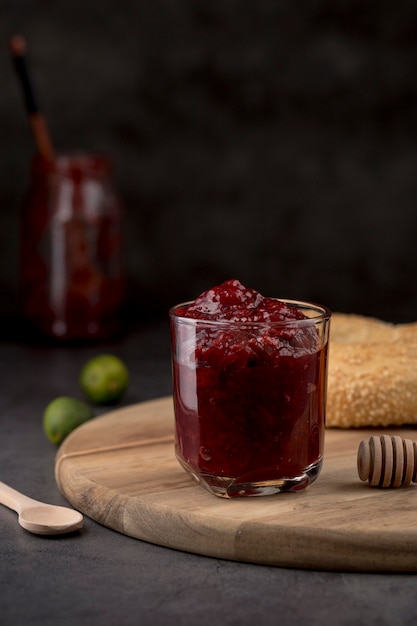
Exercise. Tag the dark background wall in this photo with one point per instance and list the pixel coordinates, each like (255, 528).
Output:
(271, 141)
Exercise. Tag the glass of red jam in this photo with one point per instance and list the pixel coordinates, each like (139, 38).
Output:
(249, 390)
(72, 280)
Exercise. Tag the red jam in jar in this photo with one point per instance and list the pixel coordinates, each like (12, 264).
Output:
(249, 389)
(71, 267)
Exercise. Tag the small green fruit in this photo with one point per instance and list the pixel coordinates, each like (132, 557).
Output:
(104, 379)
(63, 415)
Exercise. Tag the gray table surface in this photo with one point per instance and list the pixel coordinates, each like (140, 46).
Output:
(102, 577)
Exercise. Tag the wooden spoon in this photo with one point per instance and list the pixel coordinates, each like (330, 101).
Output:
(39, 517)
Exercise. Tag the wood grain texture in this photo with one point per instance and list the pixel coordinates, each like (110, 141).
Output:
(120, 470)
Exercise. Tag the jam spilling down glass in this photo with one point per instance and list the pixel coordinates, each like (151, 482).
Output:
(249, 389)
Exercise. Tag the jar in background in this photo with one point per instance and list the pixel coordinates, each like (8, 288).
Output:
(72, 281)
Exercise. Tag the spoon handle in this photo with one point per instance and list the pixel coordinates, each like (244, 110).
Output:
(13, 499)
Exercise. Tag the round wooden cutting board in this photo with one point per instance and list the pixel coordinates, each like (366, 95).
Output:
(120, 470)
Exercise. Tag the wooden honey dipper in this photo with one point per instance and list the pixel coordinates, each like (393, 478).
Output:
(387, 461)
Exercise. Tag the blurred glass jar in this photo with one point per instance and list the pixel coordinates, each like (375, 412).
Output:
(72, 281)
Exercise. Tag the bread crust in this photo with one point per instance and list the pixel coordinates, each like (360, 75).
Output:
(372, 373)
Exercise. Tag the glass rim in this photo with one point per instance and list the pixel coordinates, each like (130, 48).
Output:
(323, 313)
(79, 161)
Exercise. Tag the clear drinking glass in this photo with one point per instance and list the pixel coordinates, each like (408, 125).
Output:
(250, 420)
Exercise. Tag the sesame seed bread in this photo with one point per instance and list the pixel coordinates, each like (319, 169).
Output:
(372, 373)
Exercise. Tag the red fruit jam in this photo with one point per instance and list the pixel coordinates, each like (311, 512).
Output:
(72, 280)
(249, 387)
